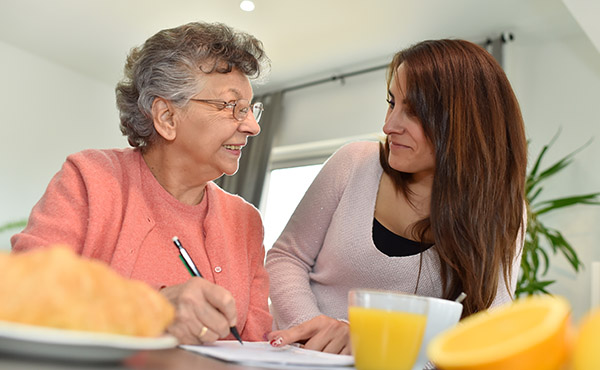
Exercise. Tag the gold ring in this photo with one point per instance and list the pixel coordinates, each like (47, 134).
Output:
(203, 331)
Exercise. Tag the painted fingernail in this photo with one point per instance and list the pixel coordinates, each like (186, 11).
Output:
(276, 342)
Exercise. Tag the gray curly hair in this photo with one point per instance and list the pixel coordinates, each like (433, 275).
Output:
(167, 66)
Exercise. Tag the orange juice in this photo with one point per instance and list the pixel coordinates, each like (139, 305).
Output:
(385, 340)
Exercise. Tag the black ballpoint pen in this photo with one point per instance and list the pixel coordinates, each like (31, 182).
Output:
(191, 266)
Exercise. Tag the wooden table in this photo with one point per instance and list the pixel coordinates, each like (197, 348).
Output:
(170, 359)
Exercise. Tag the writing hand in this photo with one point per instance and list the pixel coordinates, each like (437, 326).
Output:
(204, 311)
(321, 333)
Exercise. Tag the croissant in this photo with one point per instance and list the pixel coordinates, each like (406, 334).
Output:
(57, 288)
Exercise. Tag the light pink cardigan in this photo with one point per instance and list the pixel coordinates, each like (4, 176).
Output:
(327, 247)
(107, 205)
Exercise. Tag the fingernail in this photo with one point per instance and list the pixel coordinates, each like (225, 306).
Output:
(276, 342)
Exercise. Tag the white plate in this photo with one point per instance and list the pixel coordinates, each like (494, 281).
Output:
(71, 345)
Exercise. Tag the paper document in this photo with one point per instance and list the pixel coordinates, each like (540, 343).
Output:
(260, 353)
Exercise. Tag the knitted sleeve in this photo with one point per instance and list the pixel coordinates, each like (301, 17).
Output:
(292, 258)
(259, 321)
(82, 206)
(60, 216)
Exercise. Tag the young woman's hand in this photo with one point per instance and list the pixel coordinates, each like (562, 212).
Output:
(204, 311)
(321, 333)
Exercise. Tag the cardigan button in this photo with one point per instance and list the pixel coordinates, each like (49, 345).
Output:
(218, 269)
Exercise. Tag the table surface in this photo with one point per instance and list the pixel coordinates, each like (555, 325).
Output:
(170, 359)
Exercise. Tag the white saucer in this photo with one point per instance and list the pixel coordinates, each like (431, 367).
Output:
(71, 345)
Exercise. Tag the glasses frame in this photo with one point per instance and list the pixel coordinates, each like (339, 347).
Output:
(257, 108)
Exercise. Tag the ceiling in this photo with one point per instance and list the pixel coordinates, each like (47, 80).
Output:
(305, 39)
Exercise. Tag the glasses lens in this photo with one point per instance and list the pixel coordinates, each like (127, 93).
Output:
(241, 109)
(257, 110)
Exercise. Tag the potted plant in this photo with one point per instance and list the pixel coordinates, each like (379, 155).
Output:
(541, 240)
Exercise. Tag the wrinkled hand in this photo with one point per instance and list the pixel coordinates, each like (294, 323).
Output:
(200, 304)
(321, 333)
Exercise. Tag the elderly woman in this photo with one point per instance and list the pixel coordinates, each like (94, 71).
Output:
(186, 107)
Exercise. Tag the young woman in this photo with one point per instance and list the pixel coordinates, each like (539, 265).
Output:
(436, 210)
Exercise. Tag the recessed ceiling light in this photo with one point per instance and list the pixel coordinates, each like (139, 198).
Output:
(247, 5)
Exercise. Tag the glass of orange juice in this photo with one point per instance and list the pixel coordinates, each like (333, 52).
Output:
(386, 328)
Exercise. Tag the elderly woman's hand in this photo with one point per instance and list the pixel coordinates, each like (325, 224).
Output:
(321, 333)
(204, 311)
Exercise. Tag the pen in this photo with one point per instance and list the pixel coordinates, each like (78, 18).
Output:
(191, 266)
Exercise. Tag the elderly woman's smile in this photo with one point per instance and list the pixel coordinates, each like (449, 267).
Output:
(233, 147)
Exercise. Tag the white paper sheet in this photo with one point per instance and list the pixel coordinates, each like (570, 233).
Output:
(262, 353)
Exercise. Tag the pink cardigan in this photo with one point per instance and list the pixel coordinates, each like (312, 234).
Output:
(107, 205)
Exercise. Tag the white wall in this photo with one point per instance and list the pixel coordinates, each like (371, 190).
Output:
(47, 112)
(558, 85)
(334, 109)
(586, 13)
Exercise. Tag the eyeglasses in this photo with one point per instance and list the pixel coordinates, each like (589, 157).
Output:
(240, 108)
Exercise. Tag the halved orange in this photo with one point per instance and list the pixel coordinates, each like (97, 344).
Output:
(586, 353)
(530, 333)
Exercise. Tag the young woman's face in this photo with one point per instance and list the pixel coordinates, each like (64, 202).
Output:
(410, 150)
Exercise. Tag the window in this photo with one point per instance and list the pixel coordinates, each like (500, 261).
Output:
(286, 187)
(292, 170)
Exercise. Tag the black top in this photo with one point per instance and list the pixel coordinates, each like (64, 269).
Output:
(394, 245)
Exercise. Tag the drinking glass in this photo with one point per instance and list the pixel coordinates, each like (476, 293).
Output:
(386, 328)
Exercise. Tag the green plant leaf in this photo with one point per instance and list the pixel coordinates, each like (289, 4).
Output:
(550, 205)
(552, 170)
(532, 197)
(538, 161)
(559, 243)
(13, 225)
(534, 287)
(533, 173)
(535, 261)
(540, 241)
(546, 260)
(533, 178)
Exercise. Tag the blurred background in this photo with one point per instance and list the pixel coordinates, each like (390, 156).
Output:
(61, 60)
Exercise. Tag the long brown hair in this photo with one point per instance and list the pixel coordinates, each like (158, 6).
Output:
(469, 111)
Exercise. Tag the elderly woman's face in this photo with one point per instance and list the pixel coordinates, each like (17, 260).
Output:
(210, 138)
